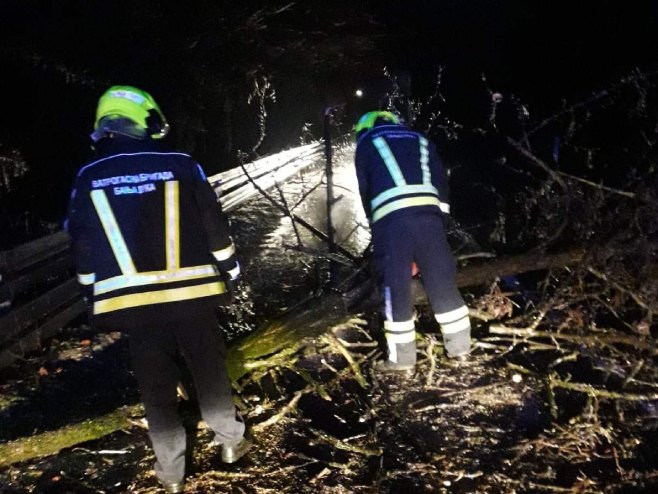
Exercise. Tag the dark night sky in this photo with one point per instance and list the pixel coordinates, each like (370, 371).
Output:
(539, 51)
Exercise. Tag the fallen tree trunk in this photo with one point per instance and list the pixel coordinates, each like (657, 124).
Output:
(312, 318)
(52, 442)
(478, 274)
(523, 263)
(487, 272)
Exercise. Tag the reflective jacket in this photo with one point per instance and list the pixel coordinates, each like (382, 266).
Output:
(148, 233)
(399, 173)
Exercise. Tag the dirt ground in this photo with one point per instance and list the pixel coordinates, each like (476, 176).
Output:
(326, 423)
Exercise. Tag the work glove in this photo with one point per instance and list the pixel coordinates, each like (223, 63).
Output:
(88, 297)
(231, 281)
(232, 288)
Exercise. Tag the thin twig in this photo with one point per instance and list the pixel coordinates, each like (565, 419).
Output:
(288, 213)
(334, 343)
(599, 393)
(593, 339)
(289, 408)
(598, 186)
(619, 287)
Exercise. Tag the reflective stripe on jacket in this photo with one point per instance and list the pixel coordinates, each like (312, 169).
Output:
(147, 229)
(398, 169)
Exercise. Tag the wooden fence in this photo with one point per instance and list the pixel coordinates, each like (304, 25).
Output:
(38, 290)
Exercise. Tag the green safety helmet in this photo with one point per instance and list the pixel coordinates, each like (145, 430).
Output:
(121, 103)
(374, 118)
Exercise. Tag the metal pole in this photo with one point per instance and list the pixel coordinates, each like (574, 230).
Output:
(329, 172)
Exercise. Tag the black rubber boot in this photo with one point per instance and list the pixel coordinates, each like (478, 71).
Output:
(405, 353)
(401, 357)
(389, 367)
(233, 452)
(458, 345)
(173, 487)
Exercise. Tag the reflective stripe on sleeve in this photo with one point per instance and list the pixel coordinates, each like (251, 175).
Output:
(223, 254)
(86, 279)
(158, 297)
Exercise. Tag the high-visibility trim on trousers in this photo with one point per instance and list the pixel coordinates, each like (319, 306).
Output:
(454, 321)
(399, 326)
(159, 297)
(400, 331)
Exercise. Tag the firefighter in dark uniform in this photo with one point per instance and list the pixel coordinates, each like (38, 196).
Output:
(154, 257)
(404, 191)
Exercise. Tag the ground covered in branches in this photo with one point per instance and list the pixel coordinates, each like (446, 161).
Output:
(533, 410)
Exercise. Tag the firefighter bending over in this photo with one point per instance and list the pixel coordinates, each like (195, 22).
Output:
(154, 257)
(404, 191)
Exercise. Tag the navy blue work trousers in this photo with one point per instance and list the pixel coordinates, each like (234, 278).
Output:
(400, 240)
